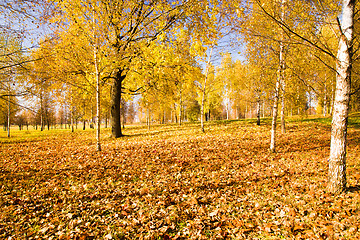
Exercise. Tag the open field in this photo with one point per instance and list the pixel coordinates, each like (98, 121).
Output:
(174, 182)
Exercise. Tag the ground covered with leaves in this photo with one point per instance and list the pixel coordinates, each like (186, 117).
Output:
(174, 182)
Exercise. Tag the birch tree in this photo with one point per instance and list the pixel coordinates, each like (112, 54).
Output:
(337, 159)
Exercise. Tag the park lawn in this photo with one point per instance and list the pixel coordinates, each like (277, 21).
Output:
(174, 182)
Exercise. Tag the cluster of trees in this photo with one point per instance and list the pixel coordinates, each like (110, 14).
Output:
(299, 56)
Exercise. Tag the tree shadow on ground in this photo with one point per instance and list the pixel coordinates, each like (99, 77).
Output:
(353, 189)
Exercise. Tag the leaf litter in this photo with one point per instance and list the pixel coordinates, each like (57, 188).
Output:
(178, 184)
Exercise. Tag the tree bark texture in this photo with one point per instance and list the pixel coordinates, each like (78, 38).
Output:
(115, 104)
(337, 159)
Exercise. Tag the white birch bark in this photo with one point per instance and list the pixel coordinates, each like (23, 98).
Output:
(274, 117)
(180, 107)
(280, 81)
(325, 100)
(282, 66)
(204, 91)
(8, 116)
(98, 119)
(283, 128)
(337, 159)
(258, 111)
(97, 80)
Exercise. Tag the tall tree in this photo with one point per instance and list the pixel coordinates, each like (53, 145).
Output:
(337, 160)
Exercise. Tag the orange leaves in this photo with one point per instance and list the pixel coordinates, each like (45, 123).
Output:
(223, 184)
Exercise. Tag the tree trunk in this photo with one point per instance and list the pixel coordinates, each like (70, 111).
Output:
(283, 128)
(332, 101)
(41, 113)
(274, 118)
(115, 104)
(325, 101)
(276, 103)
(246, 107)
(282, 66)
(180, 110)
(148, 118)
(8, 115)
(337, 159)
(258, 112)
(98, 117)
(176, 117)
(204, 91)
(72, 120)
(263, 111)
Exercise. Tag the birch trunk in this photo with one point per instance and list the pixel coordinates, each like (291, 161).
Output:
(148, 118)
(98, 119)
(8, 115)
(41, 113)
(282, 66)
(279, 81)
(283, 127)
(180, 110)
(325, 102)
(337, 159)
(274, 118)
(204, 91)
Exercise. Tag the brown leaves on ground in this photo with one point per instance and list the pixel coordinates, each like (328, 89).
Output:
(177, 183)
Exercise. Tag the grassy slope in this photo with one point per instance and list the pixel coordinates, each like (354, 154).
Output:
(176, 182)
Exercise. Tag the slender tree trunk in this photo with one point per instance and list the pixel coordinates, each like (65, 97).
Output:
(8, 115)
(332, 100)
(276, 104)
(263, 111)
(274, 118)
(246, 108)
(227, 111)
(325, 101)
(310, 100)
(283, 128)
(84, 121)
(258, 112)
(41, 113)
(72, 119)
(180, 106)
(176, 121)
(98, 117)
(337, 159)
(115, 104)
(148, 117)
(282, 67)
(204, 91)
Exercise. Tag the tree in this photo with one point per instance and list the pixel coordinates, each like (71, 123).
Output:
(337, 159)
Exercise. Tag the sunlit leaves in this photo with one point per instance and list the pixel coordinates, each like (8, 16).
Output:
(180, 183)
